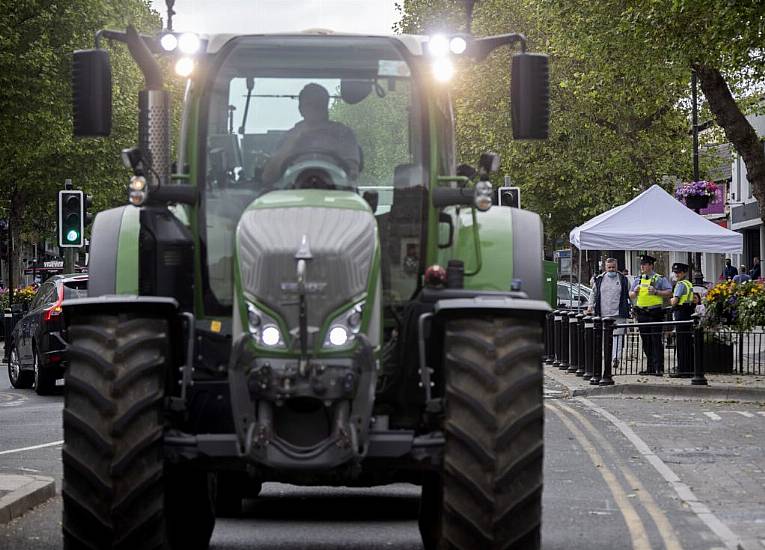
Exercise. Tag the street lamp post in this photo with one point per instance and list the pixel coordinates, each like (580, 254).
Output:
(698, 276)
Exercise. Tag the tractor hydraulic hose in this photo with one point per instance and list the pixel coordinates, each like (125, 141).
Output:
(145, 60)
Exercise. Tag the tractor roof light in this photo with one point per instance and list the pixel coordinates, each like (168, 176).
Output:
(184, 67)
(438, 45)
(443, 69)
(338, 336)
(168, 42)
(457, 45)
(189, 43)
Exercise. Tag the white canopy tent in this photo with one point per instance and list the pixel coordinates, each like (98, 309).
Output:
(654, 220)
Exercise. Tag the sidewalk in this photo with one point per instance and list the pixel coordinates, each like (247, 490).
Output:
(721, 387)
(19, 493)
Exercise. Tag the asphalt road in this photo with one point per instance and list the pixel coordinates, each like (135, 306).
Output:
(608, 482)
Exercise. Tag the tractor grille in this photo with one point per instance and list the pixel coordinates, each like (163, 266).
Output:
(341, 241)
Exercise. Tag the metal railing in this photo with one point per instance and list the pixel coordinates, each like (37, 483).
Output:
(584, 345)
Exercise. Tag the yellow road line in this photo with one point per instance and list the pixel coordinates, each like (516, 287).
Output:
(659, 518)
(635, 525)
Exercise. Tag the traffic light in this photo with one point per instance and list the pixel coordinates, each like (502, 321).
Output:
(71, 217)
(509, 196)
(88, 217)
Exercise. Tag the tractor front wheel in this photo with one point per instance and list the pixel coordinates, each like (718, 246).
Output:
(492, 475)
(117, 491)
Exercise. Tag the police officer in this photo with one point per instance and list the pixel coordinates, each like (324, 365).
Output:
(682, 309)
(647, 295)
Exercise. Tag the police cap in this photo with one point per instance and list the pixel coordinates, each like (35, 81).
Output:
(679, 267)
(646, 259)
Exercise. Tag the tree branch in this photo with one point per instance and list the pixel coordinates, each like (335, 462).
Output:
(737, 128)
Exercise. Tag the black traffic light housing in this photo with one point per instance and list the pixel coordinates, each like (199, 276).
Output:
(71, 218)
(509, 196)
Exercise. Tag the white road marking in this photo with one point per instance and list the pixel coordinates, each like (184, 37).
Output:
(713, 416)
(744, 413)
(728, 537)
(32, 448)
(656, 415)
(761, 413)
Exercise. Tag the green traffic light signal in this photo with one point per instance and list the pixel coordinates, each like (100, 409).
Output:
(70, 218)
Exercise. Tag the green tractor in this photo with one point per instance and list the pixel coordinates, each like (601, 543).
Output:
(311, 292)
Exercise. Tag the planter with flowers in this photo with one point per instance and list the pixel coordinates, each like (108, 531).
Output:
(696, 194)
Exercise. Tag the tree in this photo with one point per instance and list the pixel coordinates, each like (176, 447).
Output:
(722, 40)
(37, 151)
(616, 122)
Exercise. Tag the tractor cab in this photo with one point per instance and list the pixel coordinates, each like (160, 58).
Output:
(332, 113)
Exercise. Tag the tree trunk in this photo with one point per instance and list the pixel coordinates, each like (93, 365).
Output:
(737, 129)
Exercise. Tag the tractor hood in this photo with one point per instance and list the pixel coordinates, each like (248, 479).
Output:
(335, 228)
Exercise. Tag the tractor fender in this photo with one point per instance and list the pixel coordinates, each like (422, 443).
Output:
(506, 306)
(511, 250)
(113, 257)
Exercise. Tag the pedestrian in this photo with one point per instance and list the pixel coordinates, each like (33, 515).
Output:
(682, 309)
(755, 273)
(610, 298)
(729, 271)
(700, 308)
(647, 295)
(742, 276)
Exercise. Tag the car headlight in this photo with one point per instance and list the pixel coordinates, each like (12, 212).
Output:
(264, 328)
(344, 327)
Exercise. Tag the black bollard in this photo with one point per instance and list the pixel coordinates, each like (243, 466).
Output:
(549, 338)
(580, 344)
(587, 347)
(573, 343)
(608, 347)
(698, 350)
(564, 341)
(556, 337)
(597, 350)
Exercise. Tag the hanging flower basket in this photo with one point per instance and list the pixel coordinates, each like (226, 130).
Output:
(696, 194)
(695, 202)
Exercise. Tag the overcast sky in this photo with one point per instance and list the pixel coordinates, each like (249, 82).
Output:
(255, 16)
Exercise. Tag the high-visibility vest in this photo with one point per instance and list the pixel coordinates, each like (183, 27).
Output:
(687, 296)
(645, 300)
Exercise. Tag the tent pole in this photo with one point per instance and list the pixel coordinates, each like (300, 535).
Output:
(579, 282)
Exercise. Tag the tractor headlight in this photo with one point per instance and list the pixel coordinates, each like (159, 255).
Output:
(344, 327)
(189, 43)
(264, 328)
(184, 67)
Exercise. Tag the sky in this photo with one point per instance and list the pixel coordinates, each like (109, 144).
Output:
(255, 16)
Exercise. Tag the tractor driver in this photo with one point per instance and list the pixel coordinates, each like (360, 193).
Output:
(315, 134)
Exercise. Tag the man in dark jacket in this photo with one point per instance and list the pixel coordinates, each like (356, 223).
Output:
(729, 271)
(610, 298)
(755, 272)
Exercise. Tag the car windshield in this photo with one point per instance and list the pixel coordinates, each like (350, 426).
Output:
(75, 289)
(300, 112)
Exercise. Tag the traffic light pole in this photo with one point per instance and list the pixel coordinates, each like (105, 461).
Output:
(69, 258)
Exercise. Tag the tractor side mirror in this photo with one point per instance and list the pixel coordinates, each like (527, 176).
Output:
(530, 96)
(92, 93)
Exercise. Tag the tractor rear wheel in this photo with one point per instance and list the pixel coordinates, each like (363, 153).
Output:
(117, 492)
(492, 474)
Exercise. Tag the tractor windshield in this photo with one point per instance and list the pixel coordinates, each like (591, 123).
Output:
(334, 113)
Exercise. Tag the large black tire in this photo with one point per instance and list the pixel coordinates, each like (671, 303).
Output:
(115, 484)
(492, 475)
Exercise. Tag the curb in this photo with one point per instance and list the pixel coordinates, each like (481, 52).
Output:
(661, 391)
(703, 393)
(21, 493)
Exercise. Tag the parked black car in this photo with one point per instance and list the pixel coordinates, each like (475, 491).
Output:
(36, 344)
